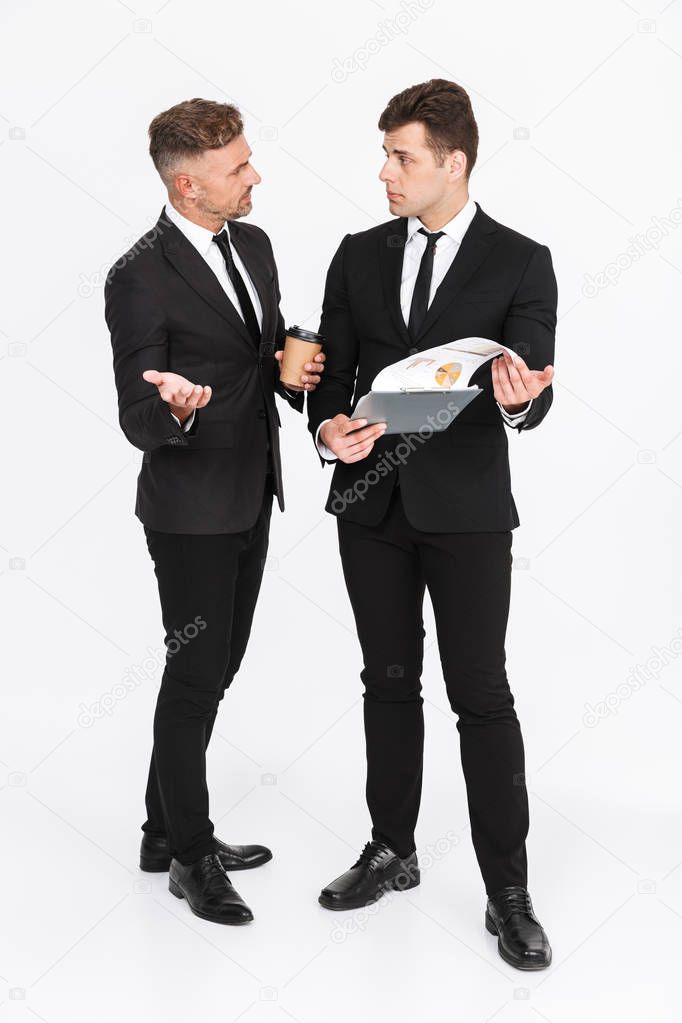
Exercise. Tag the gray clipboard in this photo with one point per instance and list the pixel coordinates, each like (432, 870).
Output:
(414, 410)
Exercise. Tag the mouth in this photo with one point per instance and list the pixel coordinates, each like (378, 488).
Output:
(392, 196)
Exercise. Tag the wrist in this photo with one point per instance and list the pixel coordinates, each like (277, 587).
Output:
(183, 414)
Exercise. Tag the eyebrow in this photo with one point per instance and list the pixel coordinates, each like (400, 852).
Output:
(240, 165)
(400, 152)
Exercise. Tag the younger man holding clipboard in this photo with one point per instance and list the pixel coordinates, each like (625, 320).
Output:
(439, 513)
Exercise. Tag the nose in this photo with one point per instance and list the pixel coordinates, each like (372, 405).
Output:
(255, 177)
(384, 174)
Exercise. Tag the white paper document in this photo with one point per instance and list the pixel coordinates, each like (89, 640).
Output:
(446, 367)
(428, 389)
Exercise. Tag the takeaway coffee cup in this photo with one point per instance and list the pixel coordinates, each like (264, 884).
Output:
(300, 347)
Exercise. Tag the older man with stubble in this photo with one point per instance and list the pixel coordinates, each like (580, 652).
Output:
(196, 333)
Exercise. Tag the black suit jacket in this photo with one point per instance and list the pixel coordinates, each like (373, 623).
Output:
(166, 310)
(501, 285)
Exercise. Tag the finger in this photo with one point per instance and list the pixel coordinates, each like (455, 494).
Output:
(517, 359)
(279, 355)
(320, 357)
(540, 380)
(501, 388)
(515, 376)
(205, 398)
(361, 454)
(513, 386)
(368, 433)
(368, 436)
(152, 376)
(194, 396)
(520, 374)
(351, 426)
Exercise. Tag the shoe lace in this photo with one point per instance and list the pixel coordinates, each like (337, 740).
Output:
(214, 873)
(371, 854)
(516, 901)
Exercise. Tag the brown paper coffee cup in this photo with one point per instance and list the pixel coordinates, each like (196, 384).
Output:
(301, 346)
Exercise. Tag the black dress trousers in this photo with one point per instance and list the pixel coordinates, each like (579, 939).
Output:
(208, 587)
(387, 568)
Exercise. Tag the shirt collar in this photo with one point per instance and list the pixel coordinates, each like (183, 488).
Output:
(200, 237)
(455, 228)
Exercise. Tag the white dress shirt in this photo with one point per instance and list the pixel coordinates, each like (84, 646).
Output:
(446, 250)
(202, 240)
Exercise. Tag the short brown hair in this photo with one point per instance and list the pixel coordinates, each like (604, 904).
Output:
(445, 110)
(188, 128)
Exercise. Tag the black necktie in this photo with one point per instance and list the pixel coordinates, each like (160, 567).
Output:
(422, 286)
(245, 303)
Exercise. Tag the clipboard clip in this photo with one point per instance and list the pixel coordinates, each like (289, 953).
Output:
(426, 390)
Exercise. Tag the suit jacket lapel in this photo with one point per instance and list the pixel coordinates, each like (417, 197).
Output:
(258, 272)
(192, 267)
(478, 241)
(391, 245)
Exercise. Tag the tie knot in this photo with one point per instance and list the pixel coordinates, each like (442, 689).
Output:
(223, 242)
(431, 236)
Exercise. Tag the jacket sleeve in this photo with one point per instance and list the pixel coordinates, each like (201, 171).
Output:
(334, 394)
(139, 341)
(295, 399)
(530, 326)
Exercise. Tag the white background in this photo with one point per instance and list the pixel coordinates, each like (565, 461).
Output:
(578, 111)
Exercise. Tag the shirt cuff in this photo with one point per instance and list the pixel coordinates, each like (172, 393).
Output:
(187, 423)
(514, 418)
(321, 446)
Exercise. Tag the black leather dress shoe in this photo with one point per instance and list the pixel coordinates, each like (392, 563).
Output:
(378, 870)
(155, 857)
(521, 940)
(208, 891)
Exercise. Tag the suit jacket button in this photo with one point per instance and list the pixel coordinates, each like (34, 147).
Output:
(413, 351)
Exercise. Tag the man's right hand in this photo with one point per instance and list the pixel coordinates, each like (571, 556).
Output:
(350, 439)
(182, 396)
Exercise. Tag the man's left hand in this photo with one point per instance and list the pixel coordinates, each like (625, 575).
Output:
(514, 384)
(311, 378)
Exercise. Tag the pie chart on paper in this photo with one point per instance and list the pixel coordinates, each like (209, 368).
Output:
(448, 374)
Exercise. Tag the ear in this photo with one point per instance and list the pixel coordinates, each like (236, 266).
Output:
(184, 186)
(457, 164)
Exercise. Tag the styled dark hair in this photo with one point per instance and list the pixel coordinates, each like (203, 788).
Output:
(445, 110)
(188, 128)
